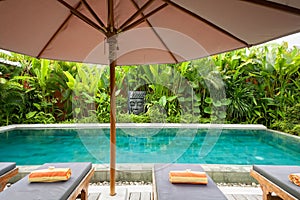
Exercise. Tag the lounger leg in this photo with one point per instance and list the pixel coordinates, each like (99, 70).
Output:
(84, 195)
(267, 195)
(2, 186)
(82, 190)
(270, 197)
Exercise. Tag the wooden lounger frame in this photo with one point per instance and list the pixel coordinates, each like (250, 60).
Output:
(82, 187)
(268, 187)
(5, 177)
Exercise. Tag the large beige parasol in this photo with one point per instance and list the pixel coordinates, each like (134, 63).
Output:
(122, 32)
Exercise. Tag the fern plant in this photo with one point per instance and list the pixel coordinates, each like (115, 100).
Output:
(12, 102)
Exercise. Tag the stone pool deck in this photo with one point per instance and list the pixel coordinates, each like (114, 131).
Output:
(145, 193)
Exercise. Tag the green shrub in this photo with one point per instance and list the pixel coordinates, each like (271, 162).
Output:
(293, 114)
(296, 130)
(291, 123)
(132, 118)
(39, 118)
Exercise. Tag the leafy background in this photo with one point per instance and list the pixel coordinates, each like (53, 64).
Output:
(258, 85)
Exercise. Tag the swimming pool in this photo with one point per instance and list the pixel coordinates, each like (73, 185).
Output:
(150, 145)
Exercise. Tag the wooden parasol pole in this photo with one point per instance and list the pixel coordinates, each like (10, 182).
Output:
(112, 42)
(112, 58)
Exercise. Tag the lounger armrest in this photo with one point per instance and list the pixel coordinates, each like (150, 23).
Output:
(8, 170)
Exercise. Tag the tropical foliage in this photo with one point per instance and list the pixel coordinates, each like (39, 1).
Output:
(259, 85)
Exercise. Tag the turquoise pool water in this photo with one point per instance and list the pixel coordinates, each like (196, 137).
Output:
(244, 147)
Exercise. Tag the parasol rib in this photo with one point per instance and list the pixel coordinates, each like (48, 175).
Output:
(206, 21)
(110, 20)
(94, 14)
(275, 5)
(56, 32)
(82, 17)
(144, 18)
(138, 12)
(157, 35)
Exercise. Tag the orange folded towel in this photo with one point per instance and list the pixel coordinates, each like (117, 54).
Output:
(51, 174)
(188, 176)
(295, 178)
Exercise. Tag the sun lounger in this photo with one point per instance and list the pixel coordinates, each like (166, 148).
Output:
(164, 190)
(274, 179)
(65, 190)
(7, 171)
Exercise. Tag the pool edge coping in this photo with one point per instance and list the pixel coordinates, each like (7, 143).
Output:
(133, 125)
